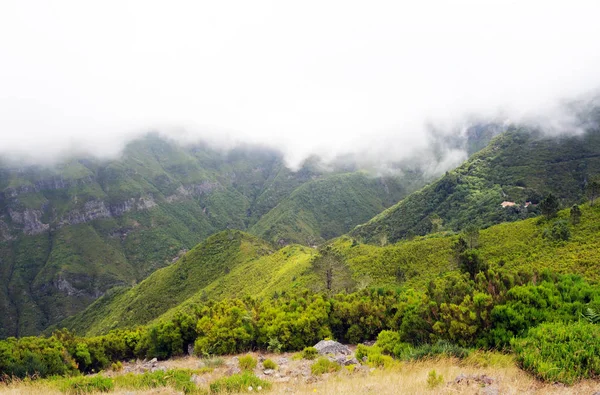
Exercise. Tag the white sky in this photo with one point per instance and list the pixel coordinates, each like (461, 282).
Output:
(306, 76)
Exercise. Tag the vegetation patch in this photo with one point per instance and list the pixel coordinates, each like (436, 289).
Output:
(561, 352)
(244, 382)
(247, 362)
(269, 364)
(324, 365)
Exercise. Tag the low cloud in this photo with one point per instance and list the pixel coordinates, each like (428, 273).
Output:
(334, 78)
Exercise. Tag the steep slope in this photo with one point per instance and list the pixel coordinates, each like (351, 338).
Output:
(72, 231)
(518, 166)
(257, 271)
(227, 264)
(329, 207)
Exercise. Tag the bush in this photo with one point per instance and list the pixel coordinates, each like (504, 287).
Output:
(434, 379)
(387, 341)
(558, 232)
(238, 383)
(269, 364)
(324, 365)
(247, 362)
(309, 353)
(374, 356)
(560, 352)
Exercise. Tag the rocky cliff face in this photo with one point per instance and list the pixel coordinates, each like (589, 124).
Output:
(69, 233)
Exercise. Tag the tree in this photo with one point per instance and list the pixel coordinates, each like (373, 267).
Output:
(593, 190)
(471, 235)
(549, 206)
(575, 214)
(470, 262)
(335, 274)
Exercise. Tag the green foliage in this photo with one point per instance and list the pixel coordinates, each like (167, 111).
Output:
(591, 316)
(247, 362)
(35, 356)
(471, 235)
(269, 364)
(438, 349)
(560, 352)
(178, 379)
(575, 214)
(333, 274)
(309, 353)
(558, 232)
(549, 206)
(86, 385)
(244, 382)
(156, 201)
(324, 365)
(471, 262)
(518, 165)
(592, 190)
(434, 379)
(329, 207)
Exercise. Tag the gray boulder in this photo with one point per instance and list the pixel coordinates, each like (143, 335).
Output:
(332, 347)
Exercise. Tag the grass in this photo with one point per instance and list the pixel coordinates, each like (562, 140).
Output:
(173, 379)
(244, 382)
(405, 377)
(324, 365)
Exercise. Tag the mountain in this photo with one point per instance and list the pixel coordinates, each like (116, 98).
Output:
(230, 263)
(322, 209)
(518, 166)
(236, 264)
(72, 231)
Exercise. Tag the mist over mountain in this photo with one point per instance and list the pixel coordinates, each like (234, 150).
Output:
(346, 80)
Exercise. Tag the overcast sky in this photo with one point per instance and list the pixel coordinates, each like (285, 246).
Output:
(306, 76)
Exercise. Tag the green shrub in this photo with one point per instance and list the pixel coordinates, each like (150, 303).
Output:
(434, 379)
(247, 362)
(560, 352)
(274, 345)
(387, 341)
(87, 384)
(380, 361)
(269, 364)
(239, 383)
(558, 232)
(324, 365)
(364, 351)
(309, 353)
(374, 356)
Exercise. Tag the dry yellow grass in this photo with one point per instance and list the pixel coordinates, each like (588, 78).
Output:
(411, 378)
(404, 378)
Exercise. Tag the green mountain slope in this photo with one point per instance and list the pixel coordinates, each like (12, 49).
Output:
(254, 269)
(517, 166)
(70, 232)
(329, 207)
(230, 263)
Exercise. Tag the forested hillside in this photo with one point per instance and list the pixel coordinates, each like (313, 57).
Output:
(70, 232)
(234, 264)
(519, 167)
